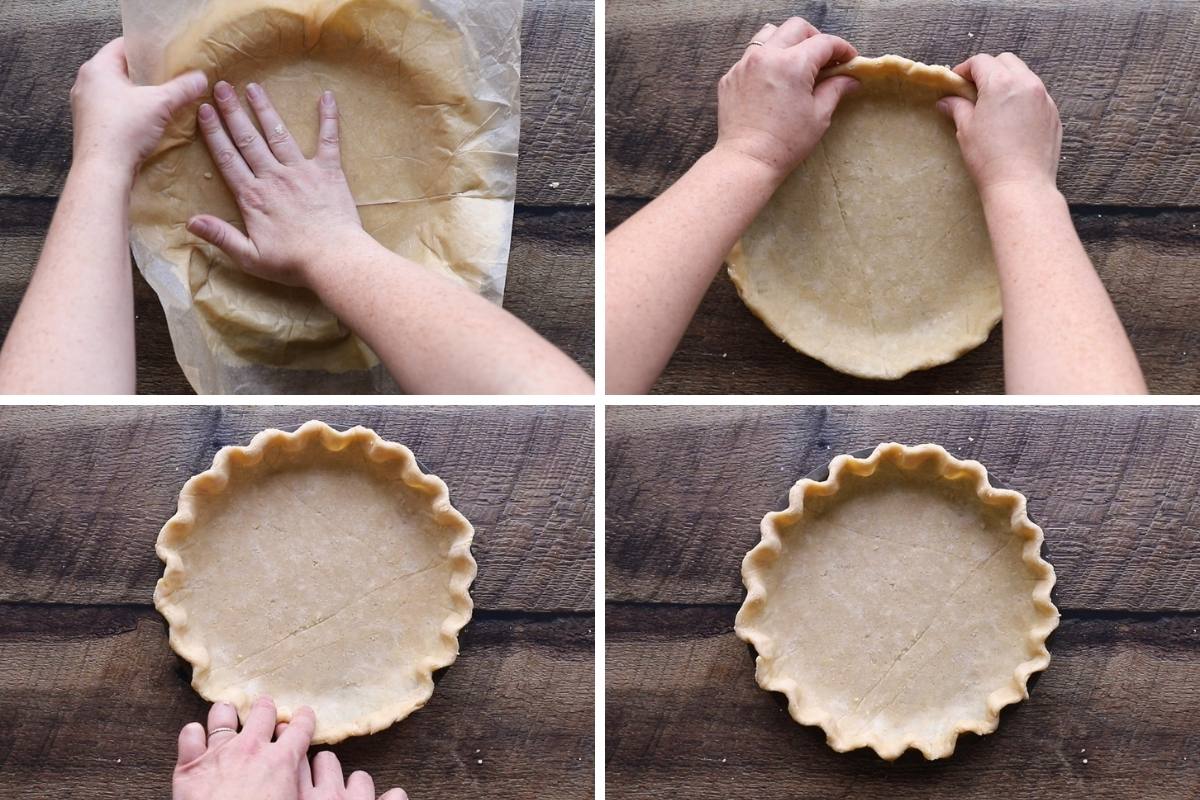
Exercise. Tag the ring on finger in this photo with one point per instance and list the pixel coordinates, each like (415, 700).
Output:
(756, 42)
(215, 731)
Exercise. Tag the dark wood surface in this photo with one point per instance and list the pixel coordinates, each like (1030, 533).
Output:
(1123, 74)
(552, 269)
(92, 697)
(1115, 490)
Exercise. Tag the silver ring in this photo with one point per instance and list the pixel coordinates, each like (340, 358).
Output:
(215, 731)
(756, 42)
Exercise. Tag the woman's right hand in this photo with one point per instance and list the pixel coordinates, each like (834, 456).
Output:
(221, 762)
(770, 107)
(298, 212)
(1012, 134)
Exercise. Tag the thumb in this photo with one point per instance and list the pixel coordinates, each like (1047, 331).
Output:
(184, 90)
(228, 239)
(829, 92)
(957, 108)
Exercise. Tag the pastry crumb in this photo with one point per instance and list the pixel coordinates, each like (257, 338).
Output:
(208, 176)
(555, 184)
(480, 760)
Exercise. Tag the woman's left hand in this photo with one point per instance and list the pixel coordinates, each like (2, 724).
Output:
(117, 122)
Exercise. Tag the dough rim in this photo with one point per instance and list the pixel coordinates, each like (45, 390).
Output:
(934, 76)
(802, 705)
(880, 67)
(214, 481)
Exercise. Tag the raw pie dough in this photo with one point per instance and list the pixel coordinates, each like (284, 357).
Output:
(403, 85)
(873, 256)
(900, 602)
(322, 568)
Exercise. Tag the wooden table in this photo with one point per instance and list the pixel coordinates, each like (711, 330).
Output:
(92, 698)
(551, 278)
(1123, 74)
(1117, 491)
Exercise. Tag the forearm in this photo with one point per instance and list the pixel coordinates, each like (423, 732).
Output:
(1061, 332)
(73, 333)
(660, 263)
(436, 336)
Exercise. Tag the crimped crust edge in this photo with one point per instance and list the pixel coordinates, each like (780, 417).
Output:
(213, 481)
(803, 708)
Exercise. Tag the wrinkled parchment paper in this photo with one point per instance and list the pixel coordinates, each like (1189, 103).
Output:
(212, 358)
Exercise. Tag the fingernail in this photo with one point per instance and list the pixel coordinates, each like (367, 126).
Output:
(327, 98)
(207, 113)
(253, 90)
(224, 91)
(199, 81)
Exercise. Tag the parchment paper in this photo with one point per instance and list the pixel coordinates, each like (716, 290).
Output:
(481, 218)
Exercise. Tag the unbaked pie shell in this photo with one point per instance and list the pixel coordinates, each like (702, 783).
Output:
(280, 537)
(873, 256)
(835, 611)
(404, 77)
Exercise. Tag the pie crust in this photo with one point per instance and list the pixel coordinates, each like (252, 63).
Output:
(404, 80)
(322, 568)
(874, 256)
(899, 602)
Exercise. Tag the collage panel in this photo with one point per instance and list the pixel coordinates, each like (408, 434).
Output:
(308, 187)
(1025, 573)
(801, 596)
(156, 559)
(809, 198)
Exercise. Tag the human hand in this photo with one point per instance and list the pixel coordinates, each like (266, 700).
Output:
(292, 206)
(1012, 134)
(221, 763)
(770, 106)
(118, 122)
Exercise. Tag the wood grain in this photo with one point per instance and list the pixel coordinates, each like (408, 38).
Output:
(553, 251)
(84, 492)
(1123, 74)
(1117, 491)
(1113, 717)
(1148, 260)
(93, 699)
(44, 44)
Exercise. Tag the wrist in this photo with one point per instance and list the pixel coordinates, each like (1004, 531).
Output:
(102, 170)
(1021, 190)
(735, 162)
(327, 266)
(1032, 186)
